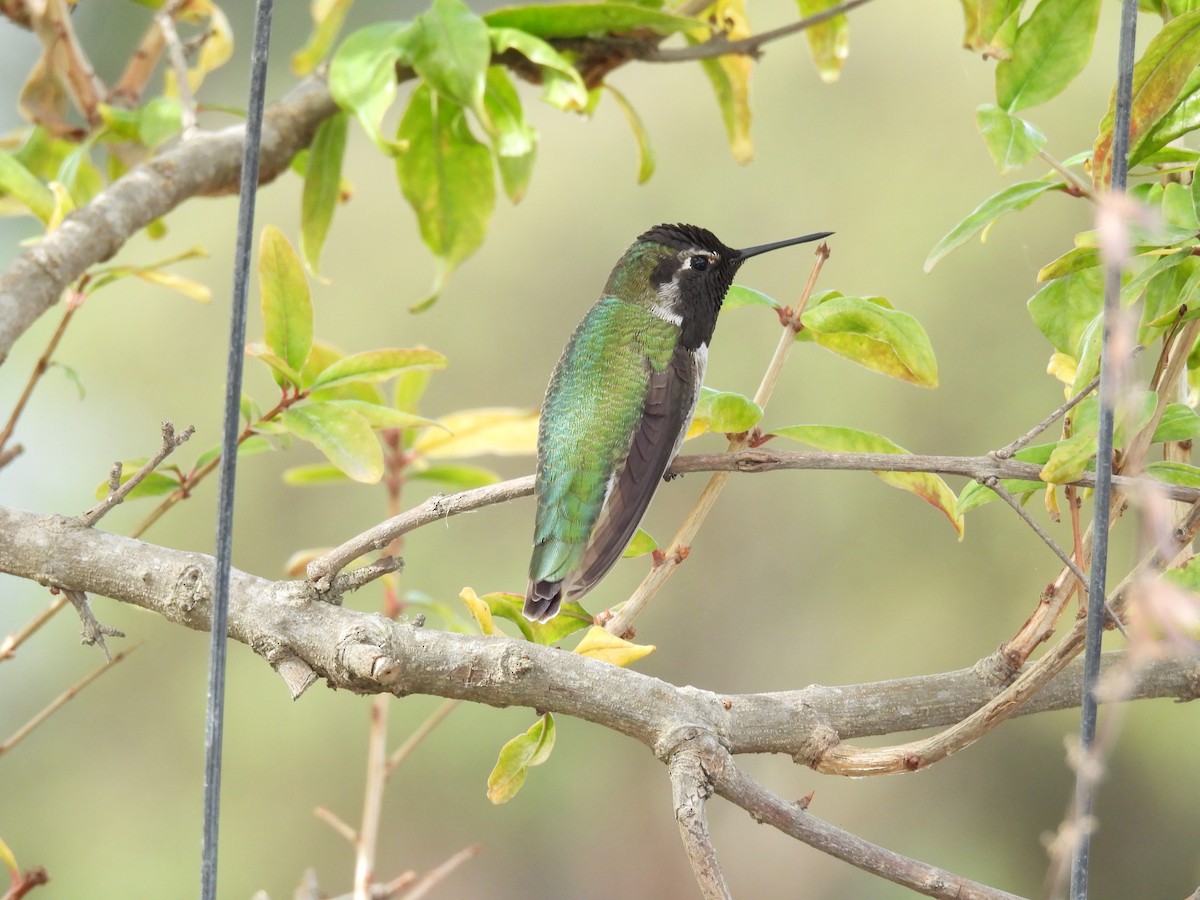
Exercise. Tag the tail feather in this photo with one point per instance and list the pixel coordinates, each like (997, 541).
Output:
(542, 600)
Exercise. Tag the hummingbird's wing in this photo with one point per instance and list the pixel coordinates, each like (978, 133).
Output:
(670, 400)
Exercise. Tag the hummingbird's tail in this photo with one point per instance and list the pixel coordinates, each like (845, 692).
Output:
(542, 600)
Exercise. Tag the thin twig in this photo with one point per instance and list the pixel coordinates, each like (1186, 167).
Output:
(118, 492)
(751, 46)
(165, 19)
(1008, 450)
(39, 369)
(1071, 178)
(23, 732)
(9, 453)
(93, 631)
(368, 832)
(434, 877)
(8, 646)
(422, 731)
(1047, 539)
(330, 818)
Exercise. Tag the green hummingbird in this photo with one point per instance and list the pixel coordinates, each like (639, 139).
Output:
(620, 402)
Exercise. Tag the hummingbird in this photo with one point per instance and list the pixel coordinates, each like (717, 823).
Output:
(620, 402)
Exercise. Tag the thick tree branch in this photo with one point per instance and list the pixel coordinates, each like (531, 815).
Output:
(370, 654)
(208, 163)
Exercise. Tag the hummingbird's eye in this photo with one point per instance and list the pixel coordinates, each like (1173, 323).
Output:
(698, 263)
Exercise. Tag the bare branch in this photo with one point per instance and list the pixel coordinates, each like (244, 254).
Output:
(8, 646)
(1008, 450)
(39, 369)
(434, 877)
(690, 789)
(93, 632)
(54, 705)
(423, 731)
(118, 492)
(164, 18)
(792, 818)
(330, 818)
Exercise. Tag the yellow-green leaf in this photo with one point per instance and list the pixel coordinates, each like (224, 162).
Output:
(286, 303)
(724, 412)
(646, 157)
(1012, 198)
(374, 366)
(21, 184)
(317, 473)
(882, 339)
(478, 609)
(10, 861)
(153, 485)
(514, 140)
(600, 644)
(342, 435)
(517, 757)
(281, 371)
(328, 16)
(1011, 140)
(729, 76)
(929, 487)
(828, 41)
(641, 544)
(381, 416)
(322, 187)
(474, 432)
(362, 76)
(1052, 47)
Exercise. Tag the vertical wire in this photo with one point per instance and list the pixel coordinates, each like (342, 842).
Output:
(214, 718)
(1084, 781)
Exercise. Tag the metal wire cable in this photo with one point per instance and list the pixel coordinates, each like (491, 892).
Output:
(214, 717)
(1103, 495)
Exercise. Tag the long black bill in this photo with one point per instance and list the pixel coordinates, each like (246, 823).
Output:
(767, 248)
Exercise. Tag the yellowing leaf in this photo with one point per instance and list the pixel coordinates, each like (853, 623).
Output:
(828, 41)
(342, 435)
(730, 77)
(474, 432)
(518, 756)
(373, 366)
(10, 861)
(600, 644)
(479, 610)
(646, 156)
(874, 336)
(328, 16)
(216, 50)
(286, 302)
(641, 544)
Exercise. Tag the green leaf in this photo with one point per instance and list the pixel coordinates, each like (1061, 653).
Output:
(739, 295)
(1170, 296)
(518, 756)
(1052, 47)
(1175, 473)
(23, 185)
(1012, 198)
(514, 141)
(342, 435)
(1156, 264)
(724, 412)
(456, 476)
(881, 339)
(1063, 308)
(409, 388)
(322, 187)
(286, 303)
(450, 49)
(317, 473)
(159, 120)
(1159, 77)
(571, 618)
(153, 485)
(1011, 140)
(570, 93)
(930, 488)
(446, 176)
(1177, 208)
(1179, 422)
(641, 544)
(646, 157)
(362, 76)
(373, 366)
(828, 41)
(328, 16)
(381, 416)
(72, 375)
(575, 20)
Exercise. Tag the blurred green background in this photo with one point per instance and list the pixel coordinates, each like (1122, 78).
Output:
(797, 578)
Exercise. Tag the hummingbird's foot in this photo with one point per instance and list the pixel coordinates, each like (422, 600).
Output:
(671, 476)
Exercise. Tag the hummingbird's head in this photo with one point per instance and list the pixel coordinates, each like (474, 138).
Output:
(689, 273)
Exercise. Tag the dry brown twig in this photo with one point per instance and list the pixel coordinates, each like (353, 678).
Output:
(117, 491)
